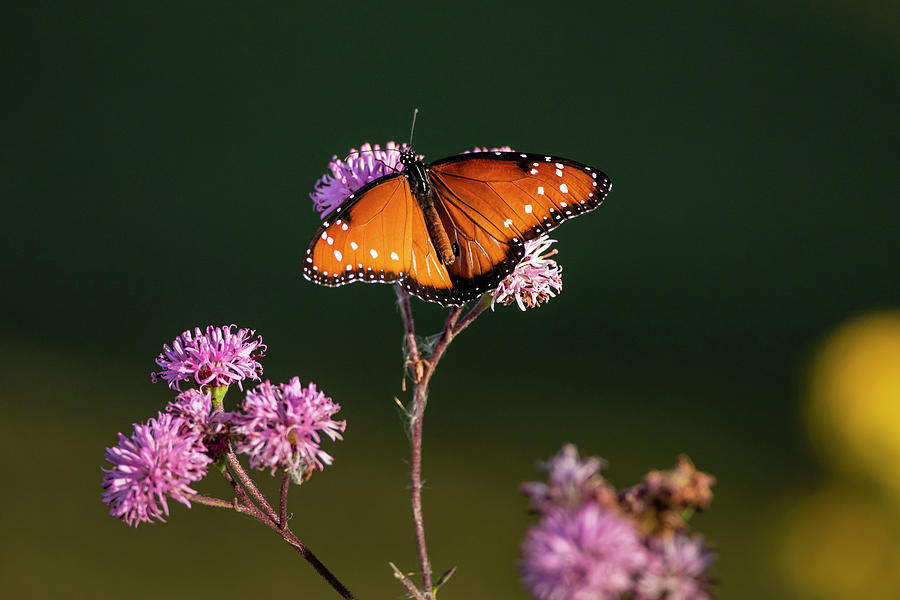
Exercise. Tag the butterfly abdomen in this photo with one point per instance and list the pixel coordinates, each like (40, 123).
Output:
(437, 233)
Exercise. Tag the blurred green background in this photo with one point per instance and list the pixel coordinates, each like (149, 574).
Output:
(155, 172)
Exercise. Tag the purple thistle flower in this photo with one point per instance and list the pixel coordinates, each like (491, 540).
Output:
(535, 279)
(587, 554)
(218, 357)
(484, 149)
(159, 460)
(676, 569)
(361, 167)
(280, 426)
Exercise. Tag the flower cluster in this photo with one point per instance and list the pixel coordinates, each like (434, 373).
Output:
(278, 426)
(217, 357)
(593, 543)
(536, 278)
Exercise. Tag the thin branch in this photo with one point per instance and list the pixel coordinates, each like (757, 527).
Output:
(285, 486)
(409, 327)
(280, 528)
(409, 585)
(483, 303)
(311, 558)
(248, 484)
(245, 505)
(216, 502)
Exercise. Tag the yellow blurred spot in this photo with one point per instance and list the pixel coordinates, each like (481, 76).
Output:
(853, 409)
(839, 545)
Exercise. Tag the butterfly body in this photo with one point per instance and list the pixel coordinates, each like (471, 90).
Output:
(453, 229)
(417, 175)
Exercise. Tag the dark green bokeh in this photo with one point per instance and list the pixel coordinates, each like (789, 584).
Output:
(155, 177)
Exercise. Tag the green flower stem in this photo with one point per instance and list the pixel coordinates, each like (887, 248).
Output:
(218, 396)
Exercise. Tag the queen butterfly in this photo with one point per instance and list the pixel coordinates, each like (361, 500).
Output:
(453, 229)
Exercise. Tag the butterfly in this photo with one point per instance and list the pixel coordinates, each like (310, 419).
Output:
(453, 229)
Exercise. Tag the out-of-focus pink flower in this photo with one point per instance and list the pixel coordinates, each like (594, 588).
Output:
(218, 357)
(536, 278)
(676, 569)
(279, 426)
(571, 481)
(159, 461)
(585, 554)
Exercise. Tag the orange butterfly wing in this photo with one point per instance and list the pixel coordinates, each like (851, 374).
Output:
(368, 238)
(378, 235)
(492, 202)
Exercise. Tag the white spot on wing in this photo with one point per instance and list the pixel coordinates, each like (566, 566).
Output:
(540, 190)
(330, 240)
(528, 209)
(354, 245)
(338, 255)
(374, 253)
(559, 172)
(564, 188)
(394, 256)
(507, 223)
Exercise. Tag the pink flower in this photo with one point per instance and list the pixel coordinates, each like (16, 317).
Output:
(361, 167)
(280, 426)
(161, 459)
(483, 149)
(218, 357)
(570, 482)
(535, 279)
(586, 554)
(676, 569)
(196, 409)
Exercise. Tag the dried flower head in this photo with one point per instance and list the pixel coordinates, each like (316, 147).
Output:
(571, 481)
(676, 569)
(660, 500)
(586, 554)
(279, 427)
(536, 278)
(219, 357)
(159, 461)
(359, 168)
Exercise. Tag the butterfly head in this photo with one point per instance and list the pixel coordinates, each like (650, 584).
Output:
(407, 157)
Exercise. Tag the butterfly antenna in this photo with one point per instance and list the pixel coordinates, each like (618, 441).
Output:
(412, 127)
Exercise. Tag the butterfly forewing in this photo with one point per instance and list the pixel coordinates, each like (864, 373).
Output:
(515, 196)
(368, 238)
